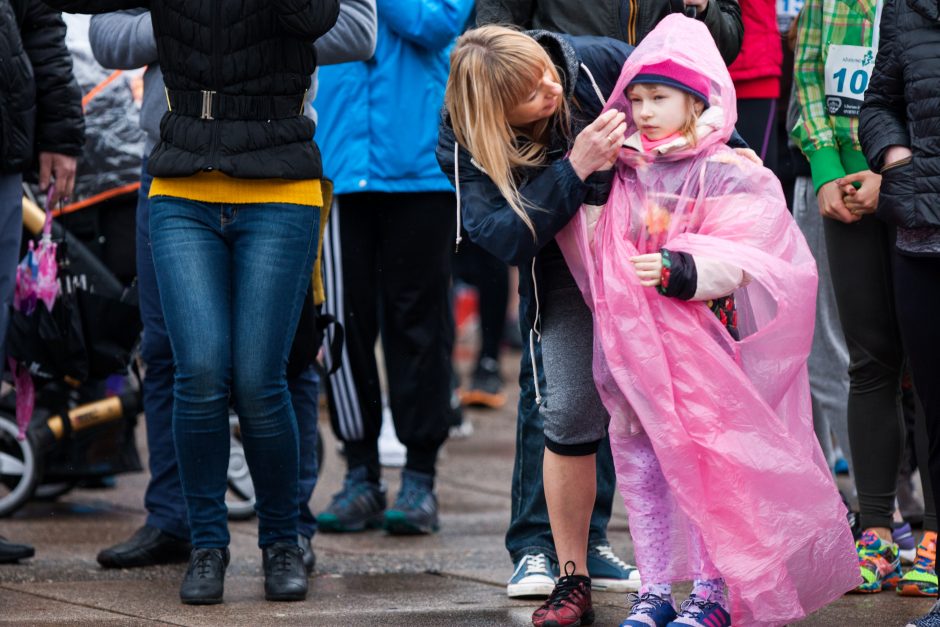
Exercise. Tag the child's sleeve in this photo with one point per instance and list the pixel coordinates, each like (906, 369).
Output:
(690, 278)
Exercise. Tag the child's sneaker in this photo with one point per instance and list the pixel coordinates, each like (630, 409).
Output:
(649, 610)
(921, 580)
(903, 536)
(879, 562)
(700, 612)
(569, 603)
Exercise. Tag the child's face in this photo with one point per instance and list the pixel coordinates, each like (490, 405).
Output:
(658, 110)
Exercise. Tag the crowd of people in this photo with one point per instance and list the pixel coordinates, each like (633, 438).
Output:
(724, 218)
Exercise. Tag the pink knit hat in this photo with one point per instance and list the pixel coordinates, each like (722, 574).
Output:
(672, 74)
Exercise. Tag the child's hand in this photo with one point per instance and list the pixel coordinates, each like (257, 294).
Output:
(750, 155)
(649, 268)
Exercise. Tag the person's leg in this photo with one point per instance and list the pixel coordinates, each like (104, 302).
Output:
(757, 118)
(11, 227)
(304, 394)
(193, 268)
(351, 281)
(860, 260)
(165, 535)
(829, 358)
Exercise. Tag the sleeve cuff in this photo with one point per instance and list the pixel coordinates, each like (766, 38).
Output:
(679, 277)
(599, 185)
(826, 165)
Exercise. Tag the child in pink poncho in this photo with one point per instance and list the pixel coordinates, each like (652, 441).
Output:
(703, 295)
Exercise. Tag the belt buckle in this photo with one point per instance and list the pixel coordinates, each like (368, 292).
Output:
(207, 105)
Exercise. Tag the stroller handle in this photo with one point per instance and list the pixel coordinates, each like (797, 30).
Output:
(33, 216)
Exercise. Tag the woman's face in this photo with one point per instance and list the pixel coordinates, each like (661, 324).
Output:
(541, 103)
(658, 110)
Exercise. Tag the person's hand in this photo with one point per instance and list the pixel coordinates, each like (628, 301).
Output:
(597, 146)
(649, 268)
(895, 154)
(749, 154)
(53, 165)
(831, 204)
(863, 200)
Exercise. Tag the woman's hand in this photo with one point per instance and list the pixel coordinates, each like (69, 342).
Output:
(863, 200)
(597, 146)
(649, 268)
(832, 204)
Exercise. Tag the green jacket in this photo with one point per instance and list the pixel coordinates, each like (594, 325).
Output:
(829, 142)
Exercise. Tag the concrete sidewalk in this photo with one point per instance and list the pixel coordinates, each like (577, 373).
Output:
(455, 577)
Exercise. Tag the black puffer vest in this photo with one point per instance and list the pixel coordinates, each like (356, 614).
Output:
(236, 72)
(902, 107)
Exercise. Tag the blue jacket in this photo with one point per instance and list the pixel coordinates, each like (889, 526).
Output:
(378, 119)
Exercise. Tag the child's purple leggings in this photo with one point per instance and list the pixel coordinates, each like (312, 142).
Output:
(667, 545)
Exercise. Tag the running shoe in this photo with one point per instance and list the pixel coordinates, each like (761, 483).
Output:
(649, 610)
(569, 604)
(358, 506)
(698, 612)
(486, 386)
(903, 536)
(879, 563)
(921, 580)
(415, 509)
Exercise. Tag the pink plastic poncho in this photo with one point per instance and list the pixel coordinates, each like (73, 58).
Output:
(730, 421)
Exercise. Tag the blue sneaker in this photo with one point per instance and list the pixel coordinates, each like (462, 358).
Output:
(649, 610)
(357, 507)
(609, 573)
(415, 509)
(698, 612)
(930, 619)
(533, 577)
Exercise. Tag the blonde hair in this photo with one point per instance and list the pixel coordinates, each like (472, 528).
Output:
(492, 70)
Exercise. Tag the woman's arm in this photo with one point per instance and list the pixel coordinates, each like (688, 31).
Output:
(431, 24)
(123, 40)
(882, 122)
(353, 36)
(723, 19)
(307, 19)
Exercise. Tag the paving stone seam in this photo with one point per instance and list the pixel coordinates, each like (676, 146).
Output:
(89, 606)
(473, 487)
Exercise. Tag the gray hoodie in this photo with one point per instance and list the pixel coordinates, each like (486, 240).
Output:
(124, 40)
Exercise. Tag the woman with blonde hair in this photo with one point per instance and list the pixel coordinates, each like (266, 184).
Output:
(523, 149)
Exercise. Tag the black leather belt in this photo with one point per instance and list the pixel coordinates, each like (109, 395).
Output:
(211, 105)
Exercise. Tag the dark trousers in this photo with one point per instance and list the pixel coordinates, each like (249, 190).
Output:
(917, 291)
(11, 227)
(490, 276)
(166, 508)
(757, 119)
(387, 267)
(860, 258)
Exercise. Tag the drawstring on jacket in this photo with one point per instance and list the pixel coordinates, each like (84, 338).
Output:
(533, 332)
(458, 239)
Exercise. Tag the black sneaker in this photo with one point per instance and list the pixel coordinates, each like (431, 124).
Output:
(357, 507)
(415, 509)
(285, 578)
(486, 387)
(204, 582)
(147, 547)
(310, 558)
(10, 552)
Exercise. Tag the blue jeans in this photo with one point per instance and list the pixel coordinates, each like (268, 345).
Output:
(11, 226)
(166, 507)
(232, 279)
(529, 529)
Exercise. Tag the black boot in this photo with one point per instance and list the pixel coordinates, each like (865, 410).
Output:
(148, 546)
(285, 578)
(11, 552)
(204, 582)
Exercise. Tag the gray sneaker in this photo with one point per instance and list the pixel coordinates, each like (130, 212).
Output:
(357, 507)
(415, 509)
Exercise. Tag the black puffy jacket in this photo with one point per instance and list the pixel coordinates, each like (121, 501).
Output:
(902, 107)
(40, 102)
(236, 73)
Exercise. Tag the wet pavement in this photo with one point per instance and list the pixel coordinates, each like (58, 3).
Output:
(455, 577)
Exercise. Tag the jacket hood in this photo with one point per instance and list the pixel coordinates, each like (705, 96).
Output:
(562, 53)
(928, 8)
(687, 43)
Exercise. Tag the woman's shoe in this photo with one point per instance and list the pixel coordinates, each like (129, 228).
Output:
(569, 604)
(285, 578)
(204, 582)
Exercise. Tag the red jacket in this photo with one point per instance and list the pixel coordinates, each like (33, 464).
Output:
(756, 72)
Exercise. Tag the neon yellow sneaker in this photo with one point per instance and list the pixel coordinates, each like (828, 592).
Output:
(921, 580)
(880, 563)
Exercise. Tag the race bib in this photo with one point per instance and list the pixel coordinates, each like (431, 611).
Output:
(848, 72)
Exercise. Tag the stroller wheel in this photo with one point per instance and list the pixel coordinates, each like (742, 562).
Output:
(52, 491)
(240, 496)
(19, 467)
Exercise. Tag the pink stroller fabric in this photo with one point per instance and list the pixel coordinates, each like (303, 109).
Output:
(730, 421)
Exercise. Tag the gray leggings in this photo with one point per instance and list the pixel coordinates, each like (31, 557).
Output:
(574, 418)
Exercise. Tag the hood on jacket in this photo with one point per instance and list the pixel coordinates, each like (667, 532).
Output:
(562, 54)
(928, 8)
(687, 43)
